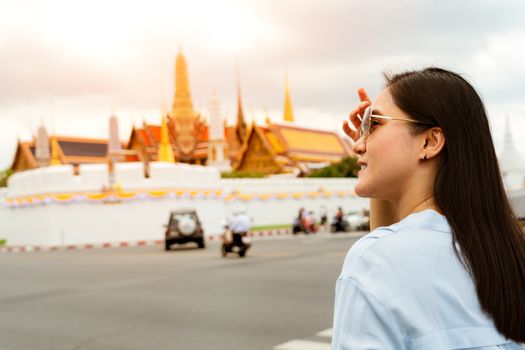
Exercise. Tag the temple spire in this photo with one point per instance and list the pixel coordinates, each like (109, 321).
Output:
(42, 146)
(182, 98)
(241, 127)
(216, 121)
(182, 111)
(510, 159)
(55, 160)
(508, 145)
(114, 145)
(288, 113)
(165, 153)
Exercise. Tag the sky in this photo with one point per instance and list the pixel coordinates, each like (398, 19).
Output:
(70, 64)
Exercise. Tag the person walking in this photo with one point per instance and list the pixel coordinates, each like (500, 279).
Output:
(444, 265)
(323, 219)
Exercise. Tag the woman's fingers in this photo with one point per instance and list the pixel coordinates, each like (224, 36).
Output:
(354, 135)
(363, 96)
(354, 117)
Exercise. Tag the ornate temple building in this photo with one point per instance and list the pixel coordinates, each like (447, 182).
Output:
(183, 136)
(64, 150)
(186, 132)
(145, 140)
(278, 148)
(45, 150)
(284, 148)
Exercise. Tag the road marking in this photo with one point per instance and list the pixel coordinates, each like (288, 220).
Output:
(303, 345)
(326, 333)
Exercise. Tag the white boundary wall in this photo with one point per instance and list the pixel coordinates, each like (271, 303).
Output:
(283, 211)
(79, 221)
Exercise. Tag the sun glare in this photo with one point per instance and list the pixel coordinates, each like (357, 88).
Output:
(100, 28)
(235, 28)
(88, 30)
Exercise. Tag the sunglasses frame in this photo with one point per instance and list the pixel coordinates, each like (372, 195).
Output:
(367, 118)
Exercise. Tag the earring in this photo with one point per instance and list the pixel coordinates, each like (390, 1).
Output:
(425, 157)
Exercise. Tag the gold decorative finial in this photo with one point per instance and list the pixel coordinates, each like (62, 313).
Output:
(267, 119)
(288, 113)
(165, 153)
(241, 127)
(55, 159)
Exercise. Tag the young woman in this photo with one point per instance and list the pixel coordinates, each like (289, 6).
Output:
(449, 271)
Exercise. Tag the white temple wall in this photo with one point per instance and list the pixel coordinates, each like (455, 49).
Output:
(129, 176)
(282, 211)
(51, 206)
(78, 223)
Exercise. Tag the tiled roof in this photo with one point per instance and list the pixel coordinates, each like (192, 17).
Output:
(83, 149)
(73, 150)
(305, 140)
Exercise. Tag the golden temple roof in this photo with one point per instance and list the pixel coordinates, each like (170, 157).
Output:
(303, 140)
(290, 145)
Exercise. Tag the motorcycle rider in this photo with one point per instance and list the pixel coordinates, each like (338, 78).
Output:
(239, 226)
(339, 223)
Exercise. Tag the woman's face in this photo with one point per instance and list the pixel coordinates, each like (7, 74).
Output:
(389, 156)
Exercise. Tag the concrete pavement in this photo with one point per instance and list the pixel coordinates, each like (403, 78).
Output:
(143, 297)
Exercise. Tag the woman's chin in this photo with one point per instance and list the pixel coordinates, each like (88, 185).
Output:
(361, 190)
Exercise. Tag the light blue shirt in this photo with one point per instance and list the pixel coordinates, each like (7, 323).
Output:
(240, 223)
(402, 287)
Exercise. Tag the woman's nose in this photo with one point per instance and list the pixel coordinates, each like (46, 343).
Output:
(359, 147)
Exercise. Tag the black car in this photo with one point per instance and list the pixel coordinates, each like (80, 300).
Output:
(184, 226)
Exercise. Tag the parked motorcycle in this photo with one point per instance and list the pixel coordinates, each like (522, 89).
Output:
(304, 223)
(339, 224)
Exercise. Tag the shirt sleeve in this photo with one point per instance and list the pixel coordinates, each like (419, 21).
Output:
(361, 322)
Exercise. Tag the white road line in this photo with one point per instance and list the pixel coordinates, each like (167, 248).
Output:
(303, 345)
(325, 333)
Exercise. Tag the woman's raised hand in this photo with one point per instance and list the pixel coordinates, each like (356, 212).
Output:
(354, 119)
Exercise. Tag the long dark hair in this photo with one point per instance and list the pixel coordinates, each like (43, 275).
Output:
(469, 191)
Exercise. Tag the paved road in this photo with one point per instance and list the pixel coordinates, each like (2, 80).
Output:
(279, 297)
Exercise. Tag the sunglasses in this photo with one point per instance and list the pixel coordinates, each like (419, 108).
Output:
(366, 121)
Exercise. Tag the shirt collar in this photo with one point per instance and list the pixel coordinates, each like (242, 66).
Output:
(428, 219)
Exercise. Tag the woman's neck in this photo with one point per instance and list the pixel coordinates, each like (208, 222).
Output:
(417, 204)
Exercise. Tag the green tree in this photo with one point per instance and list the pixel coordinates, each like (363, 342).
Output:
(347, 167)
(241, 174)
(4, 175)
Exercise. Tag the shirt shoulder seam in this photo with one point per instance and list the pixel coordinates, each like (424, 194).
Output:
(369, 295)
(359, 259)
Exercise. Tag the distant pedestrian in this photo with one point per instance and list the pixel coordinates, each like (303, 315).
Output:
(323, 216)
(449, 271)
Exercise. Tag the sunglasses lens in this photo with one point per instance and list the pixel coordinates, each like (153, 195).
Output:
(365, 123)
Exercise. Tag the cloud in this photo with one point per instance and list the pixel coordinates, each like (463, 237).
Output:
(87, 59)
(33, 71)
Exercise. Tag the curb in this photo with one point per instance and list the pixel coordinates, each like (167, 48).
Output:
(123, 244)
(38, 248)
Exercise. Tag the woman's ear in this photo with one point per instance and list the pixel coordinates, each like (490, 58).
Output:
(433, 143)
